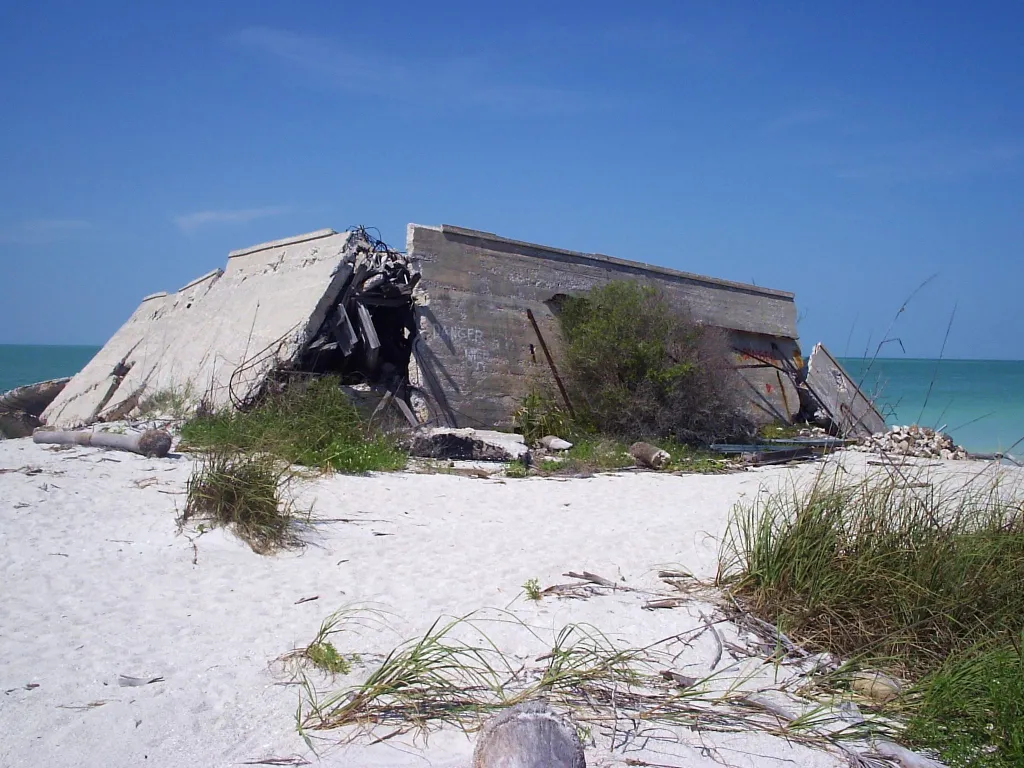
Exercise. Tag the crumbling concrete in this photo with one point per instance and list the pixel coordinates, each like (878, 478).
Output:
(468, 444)
(912, 440)
(219, 339)
(480, 351)
(846, 406)
(21, 407)
(459, 348)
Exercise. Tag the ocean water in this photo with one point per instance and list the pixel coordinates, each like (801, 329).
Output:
(23, 364)
(979, 402)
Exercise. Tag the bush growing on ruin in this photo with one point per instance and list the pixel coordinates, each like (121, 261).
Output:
(637, 366)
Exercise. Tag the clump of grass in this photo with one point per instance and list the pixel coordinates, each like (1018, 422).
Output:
(778, 431)
(891, 567)
(175, 403)
(312, 424)
(325, 656)
(532, 589)
(588, 455)
(242, 492)
(971, 709)
(539, 416)
(687, 458)
(517, 469)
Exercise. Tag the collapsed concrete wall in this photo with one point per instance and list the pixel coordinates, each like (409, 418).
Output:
(480, 352)
(460, 347)
(217, 338)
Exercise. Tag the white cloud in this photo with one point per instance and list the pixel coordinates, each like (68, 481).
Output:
(190, 222)
(373, 72)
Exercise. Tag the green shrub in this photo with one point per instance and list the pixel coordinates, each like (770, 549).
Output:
(638, 367)
(313, 424)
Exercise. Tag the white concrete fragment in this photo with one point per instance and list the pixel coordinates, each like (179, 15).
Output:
(553, 443)
(217, 338)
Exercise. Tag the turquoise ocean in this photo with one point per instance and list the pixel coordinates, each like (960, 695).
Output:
(979, 402)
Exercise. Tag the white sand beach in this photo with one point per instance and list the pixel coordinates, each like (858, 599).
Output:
(97, 584)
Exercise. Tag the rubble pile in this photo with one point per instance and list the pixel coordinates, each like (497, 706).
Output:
(919, 442)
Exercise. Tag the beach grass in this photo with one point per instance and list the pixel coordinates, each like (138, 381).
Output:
(454, 675)
(243, 492)
(893, 566)
(971, 709)
(312, 424)
(902, 573)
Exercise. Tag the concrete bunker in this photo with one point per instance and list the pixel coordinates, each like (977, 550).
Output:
(454, 332)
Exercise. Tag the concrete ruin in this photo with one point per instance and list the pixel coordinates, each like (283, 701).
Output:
(455, 332)
(219, 341)
(487, 310)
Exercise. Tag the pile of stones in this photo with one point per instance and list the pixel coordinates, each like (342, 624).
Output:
(920, 442)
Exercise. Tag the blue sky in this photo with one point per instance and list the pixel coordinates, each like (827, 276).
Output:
(842, 151)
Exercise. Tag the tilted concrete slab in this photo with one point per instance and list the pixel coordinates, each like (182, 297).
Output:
(217, 338)
(848, 407)
(480, 353)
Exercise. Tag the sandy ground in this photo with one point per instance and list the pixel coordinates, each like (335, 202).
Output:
(97, 583)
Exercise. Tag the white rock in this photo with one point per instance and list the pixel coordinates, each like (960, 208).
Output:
(553, 443)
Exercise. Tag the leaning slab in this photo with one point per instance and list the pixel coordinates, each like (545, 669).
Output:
(528, 735)
(848, 407)
(468, 444)
(218, 338)
(21, 407)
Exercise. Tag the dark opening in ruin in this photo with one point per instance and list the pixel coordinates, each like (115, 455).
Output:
(367, 337)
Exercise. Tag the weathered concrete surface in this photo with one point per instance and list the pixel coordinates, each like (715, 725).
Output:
(218, 337)
(480, 355)
(850, 410)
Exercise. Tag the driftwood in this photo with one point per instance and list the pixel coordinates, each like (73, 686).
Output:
(528, 735)
(152, 442)
(648, 455)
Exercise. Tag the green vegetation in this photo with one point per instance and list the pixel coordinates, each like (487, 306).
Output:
(242, 492)
(589, 455)
(638, 368)
(539, 416)
(517, 469)
(166, 402)
(321, 651)
(312, 424)
(778, 432)
(325, 657)
(532, 589)
(898, 573)
(455, 675)
(971, 709)
(906, 572)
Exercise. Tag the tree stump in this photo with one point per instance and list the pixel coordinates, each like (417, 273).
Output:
(528, 735)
